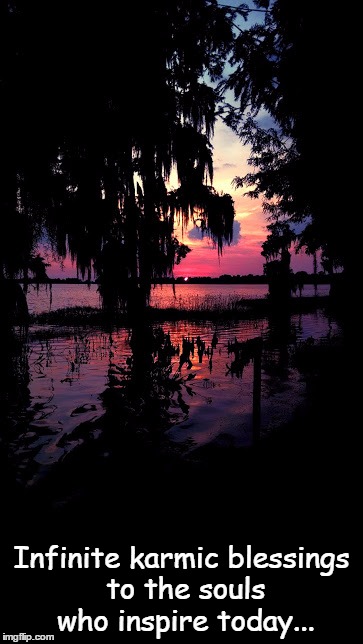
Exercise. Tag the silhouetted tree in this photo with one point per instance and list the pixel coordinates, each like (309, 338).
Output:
(100, 105)
(277, 268)
(299, 279)
(284, 80)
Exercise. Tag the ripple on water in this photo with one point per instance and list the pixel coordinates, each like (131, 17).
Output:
(67, 375)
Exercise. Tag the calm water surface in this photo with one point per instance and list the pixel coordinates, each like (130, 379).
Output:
(67, 371)
(186, 295)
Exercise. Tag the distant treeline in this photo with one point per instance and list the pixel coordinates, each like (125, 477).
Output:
(301, 277)
(56, 280)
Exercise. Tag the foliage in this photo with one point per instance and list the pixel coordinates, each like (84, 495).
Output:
(101, 106)
(284, 81)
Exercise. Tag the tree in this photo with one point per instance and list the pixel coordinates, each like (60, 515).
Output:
(92, 140)
(277, 268)
(286, 68)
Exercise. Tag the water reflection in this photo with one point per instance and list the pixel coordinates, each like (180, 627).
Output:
(281, 334)
(148, 391)
(72, 393)
(186, 296)
(15, 400)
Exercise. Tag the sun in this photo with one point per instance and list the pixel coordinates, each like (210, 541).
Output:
(186, 279)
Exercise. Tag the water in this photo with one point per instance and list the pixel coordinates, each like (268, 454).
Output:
(64, 374)
(186, 295)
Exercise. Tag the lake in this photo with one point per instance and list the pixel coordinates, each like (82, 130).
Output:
(186, 295)
(63, 374)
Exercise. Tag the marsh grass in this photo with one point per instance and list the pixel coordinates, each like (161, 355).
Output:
(209, 307)
(208, 303)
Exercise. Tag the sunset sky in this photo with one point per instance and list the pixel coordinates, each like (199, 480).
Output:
(243, 256)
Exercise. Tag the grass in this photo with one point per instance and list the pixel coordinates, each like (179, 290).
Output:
(73, 315)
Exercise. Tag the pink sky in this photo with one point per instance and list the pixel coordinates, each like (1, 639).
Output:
(244, 254)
